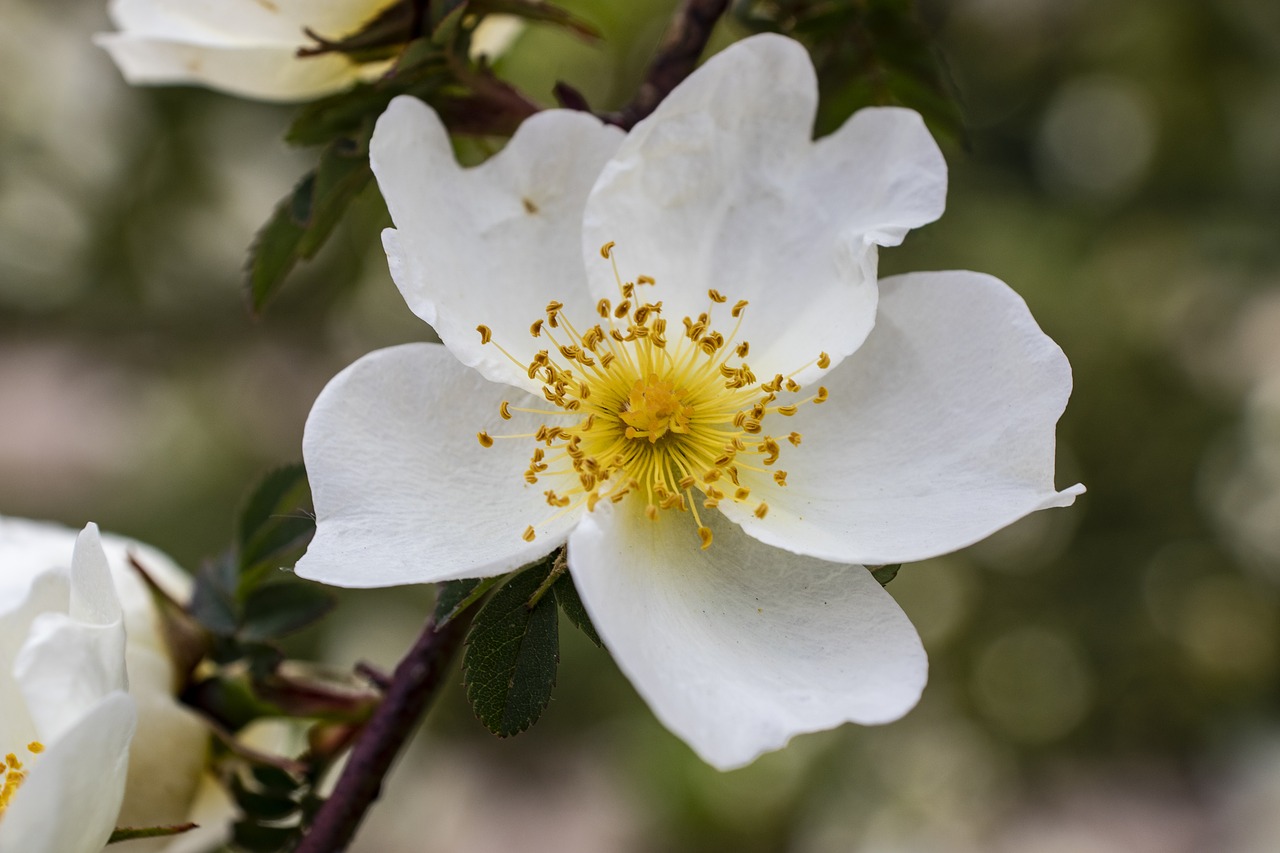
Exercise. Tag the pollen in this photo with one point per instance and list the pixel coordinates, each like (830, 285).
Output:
(636, 415)
(13, 773)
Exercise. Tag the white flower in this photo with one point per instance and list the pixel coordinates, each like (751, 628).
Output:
(911, 418)
(63, 660)
(250, 47)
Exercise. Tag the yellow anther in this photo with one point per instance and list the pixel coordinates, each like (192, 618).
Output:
(603, 308)
(780, 477)
(629, 289)
(704, 533)
(35, 747)
(607, 249)
(795, 438)
(486, 334)
(717, 296)
(821, 396)
(651, 512)
(484, 439)
(741, 494)
(644, 279)
(743, 349)
(505, 410)
(529, 534)
(536, 328)
(687, 482)
(787, 411)
(736, 310)
(623, 307)
(762, 510)
(824, 361)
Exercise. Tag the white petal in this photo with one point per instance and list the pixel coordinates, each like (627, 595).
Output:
(167, 759)
(938, 432)
(404, 493)
(66, 667)
(93, 593)
(494, 244)
(265, 72)
(232, 22)
(722, 187)
(739, 647)
(48, 592)
(71, 797)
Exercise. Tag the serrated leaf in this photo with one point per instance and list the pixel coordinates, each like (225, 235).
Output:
(213, 601)
(457, 596)
(509, 666)
(303, 221)
(884, 574)
(275, 526)
(278, 609)
(571, 603)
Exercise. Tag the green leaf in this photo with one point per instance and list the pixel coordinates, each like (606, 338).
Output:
(512, 653)
(213, 601)
(259, 805)
(275, 526)
(306, 217)
(884, 574)
(278, 609)
(457, 596)
(567, 597)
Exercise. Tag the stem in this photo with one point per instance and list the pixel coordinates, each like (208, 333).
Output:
(678, 53)
(413, 686)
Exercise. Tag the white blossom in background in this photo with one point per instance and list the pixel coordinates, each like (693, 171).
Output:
(45, 642)
(250, 48)
(68, 718)
(670, 350)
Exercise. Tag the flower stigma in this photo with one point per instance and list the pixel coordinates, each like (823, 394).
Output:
(13, 773)
(636, 413)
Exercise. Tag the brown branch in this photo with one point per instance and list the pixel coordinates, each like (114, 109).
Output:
(678, 53)
(412, 688)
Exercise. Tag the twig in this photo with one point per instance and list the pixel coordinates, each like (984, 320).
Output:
(412, 688)
(681, 47)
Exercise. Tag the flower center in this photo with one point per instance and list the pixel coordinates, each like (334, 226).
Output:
(12, 775)
(634, 413)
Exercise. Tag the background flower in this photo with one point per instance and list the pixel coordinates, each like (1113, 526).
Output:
(939, 429)
(167, 755)
(251, 49)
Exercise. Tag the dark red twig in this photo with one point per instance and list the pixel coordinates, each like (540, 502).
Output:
(678, 53)
(412, 688)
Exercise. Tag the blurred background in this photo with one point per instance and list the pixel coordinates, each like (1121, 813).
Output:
(1104, 678)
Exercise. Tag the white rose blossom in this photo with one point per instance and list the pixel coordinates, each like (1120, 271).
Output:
(669, 350)
(250, 47)
(67, 605)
